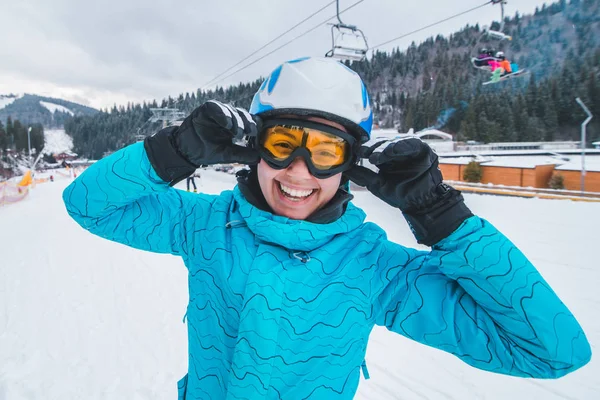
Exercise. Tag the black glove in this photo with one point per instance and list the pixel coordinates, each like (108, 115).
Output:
(409, 179)
(205, 137)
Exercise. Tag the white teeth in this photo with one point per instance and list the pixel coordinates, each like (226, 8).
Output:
(294, 192)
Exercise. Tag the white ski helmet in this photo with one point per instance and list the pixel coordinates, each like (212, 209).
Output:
(320, 87)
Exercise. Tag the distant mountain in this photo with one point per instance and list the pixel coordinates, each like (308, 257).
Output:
(31, 109)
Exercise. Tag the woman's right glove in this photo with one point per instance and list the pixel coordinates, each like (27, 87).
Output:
(205, 137)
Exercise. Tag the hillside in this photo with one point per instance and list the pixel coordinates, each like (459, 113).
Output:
(559, 44)
(33, 109)
(433, 84)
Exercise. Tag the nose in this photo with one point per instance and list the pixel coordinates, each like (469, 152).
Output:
(298, 168)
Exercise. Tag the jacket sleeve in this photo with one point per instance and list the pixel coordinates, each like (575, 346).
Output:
(121, 198)
(475, 295)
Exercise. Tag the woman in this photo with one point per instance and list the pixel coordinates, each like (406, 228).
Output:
(286, 280)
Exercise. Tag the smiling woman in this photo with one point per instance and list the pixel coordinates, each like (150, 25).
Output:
(287, 280)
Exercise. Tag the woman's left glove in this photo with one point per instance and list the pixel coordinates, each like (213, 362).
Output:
(409, 178)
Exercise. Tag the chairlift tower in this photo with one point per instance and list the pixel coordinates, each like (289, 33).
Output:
(166, 115)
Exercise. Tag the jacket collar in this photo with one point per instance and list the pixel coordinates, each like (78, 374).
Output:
(294, 234)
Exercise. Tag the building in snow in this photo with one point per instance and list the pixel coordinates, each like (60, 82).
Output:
(65, 156)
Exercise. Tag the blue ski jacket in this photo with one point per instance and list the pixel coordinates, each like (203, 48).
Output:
(282, 309)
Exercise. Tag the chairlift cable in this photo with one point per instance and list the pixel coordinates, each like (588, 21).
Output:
(267, 44)
(431, 25)
(287, 43)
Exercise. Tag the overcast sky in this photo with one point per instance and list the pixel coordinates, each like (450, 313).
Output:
(115, 51)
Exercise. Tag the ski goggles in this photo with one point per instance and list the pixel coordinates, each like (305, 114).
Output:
(325, 149)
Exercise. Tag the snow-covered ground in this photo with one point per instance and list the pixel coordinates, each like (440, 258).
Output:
(55, 107)
(57, 141)
(85, 318)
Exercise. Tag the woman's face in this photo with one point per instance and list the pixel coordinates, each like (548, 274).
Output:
(293, 192)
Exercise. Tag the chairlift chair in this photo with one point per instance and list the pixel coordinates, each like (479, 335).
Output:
(498, 35)
(349, 43)
(482, 63)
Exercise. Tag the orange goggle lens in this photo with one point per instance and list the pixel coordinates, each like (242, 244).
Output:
(326, 150)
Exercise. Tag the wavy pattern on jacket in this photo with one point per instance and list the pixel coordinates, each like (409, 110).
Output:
(281, 308)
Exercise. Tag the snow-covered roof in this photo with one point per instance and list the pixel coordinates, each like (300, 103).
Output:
(503, 161)
(456, 160)
(522, 162)
(435, 132)
(69, 153)
(592, 164)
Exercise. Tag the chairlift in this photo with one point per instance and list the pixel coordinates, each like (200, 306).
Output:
(488, 60)
(347, 41)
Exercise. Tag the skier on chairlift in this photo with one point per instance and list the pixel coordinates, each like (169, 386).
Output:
(500, 62)
(484, 58)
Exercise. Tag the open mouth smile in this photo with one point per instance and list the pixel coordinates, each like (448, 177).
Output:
(294, 195)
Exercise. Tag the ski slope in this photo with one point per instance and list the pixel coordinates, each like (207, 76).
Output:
(55, 107)
(85, 318)
(5, 100)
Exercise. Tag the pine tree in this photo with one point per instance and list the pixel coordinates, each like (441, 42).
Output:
(3, 138)
(550, 120)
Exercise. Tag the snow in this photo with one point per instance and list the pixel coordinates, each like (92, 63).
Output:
(57, 141)
(5, 100)
(55, 107)
(463, 160)
(591, 164)
(82, 317)
(521, 162)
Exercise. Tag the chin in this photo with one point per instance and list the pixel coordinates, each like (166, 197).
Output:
(295, 214)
